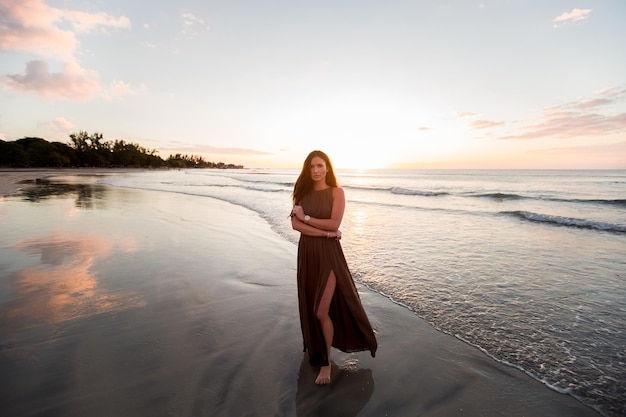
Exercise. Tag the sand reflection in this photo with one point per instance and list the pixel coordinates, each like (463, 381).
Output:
(87, 194)
(64, 286)
(350, 391)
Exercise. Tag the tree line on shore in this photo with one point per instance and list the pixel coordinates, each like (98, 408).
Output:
(85, 150)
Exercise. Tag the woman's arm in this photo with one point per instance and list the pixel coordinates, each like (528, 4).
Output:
(336, 215)
(309, 230)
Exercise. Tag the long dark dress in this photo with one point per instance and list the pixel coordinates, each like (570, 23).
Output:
(317, 256)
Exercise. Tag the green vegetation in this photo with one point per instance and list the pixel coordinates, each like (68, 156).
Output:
(84, 150)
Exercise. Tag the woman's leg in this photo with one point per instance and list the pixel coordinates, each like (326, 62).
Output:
(327, 325)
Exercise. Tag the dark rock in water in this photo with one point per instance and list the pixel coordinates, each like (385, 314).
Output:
(34, 181)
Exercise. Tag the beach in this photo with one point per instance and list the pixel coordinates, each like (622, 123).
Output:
(117, 301)
(15, 180)
(12, 181)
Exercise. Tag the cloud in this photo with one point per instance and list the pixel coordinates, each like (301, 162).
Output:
(117, 89)
(573, 124)
(84, 22)
(607, 96)
(578, 118)
(477, 124)
(576, 15)
(588, 104)
(31, 26)
(189, 19)
(59, 124)
(73, 82)
(149, 45)
(35, 28)
(484, 124)
(616, 92)
(199, 149)
(193, 25)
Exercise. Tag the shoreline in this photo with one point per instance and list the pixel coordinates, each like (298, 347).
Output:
(226, 328)
(12, 181)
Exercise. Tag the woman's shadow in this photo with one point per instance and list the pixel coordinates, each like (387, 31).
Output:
(350, 390)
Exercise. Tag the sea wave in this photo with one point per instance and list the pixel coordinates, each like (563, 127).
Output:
(366, 188)
(501, 196)
(504, 196)
(618, 202)
(567, 221)
(279, 183)
(405, 191)
(258, 186)
(265, 190)
(511, 196)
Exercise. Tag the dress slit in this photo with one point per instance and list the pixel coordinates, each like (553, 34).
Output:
(322, 290)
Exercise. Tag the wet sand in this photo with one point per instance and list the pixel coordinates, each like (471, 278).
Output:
(128, 302)
(13, 181)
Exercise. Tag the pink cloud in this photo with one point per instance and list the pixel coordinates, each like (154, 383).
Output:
(577, 118)
(609, 96)
(484, 124)
(615, 92)
(72, 82)
(575, 15)
(588, 104)
(117, 89)
(465, 114)
(572, 124)
(87, 22)
(29, 26)
(33, 27)
(59, 124)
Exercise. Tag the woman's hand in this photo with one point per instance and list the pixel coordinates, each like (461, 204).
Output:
(334, 235)
(298, 212)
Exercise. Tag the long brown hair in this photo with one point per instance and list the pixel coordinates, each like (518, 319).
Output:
(304, 183)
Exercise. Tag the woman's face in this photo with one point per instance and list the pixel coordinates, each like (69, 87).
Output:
(318, 169)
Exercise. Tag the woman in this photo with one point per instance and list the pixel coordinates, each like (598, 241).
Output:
(331, 313)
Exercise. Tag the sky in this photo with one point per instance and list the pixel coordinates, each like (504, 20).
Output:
(375, 84)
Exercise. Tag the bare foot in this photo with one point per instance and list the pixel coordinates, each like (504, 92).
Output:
(323, 378)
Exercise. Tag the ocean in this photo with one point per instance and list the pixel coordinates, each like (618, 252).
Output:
(528, 266)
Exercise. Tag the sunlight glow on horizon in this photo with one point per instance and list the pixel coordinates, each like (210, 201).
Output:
(383, 85)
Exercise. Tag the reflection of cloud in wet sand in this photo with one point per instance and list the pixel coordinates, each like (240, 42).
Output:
(63, 286)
